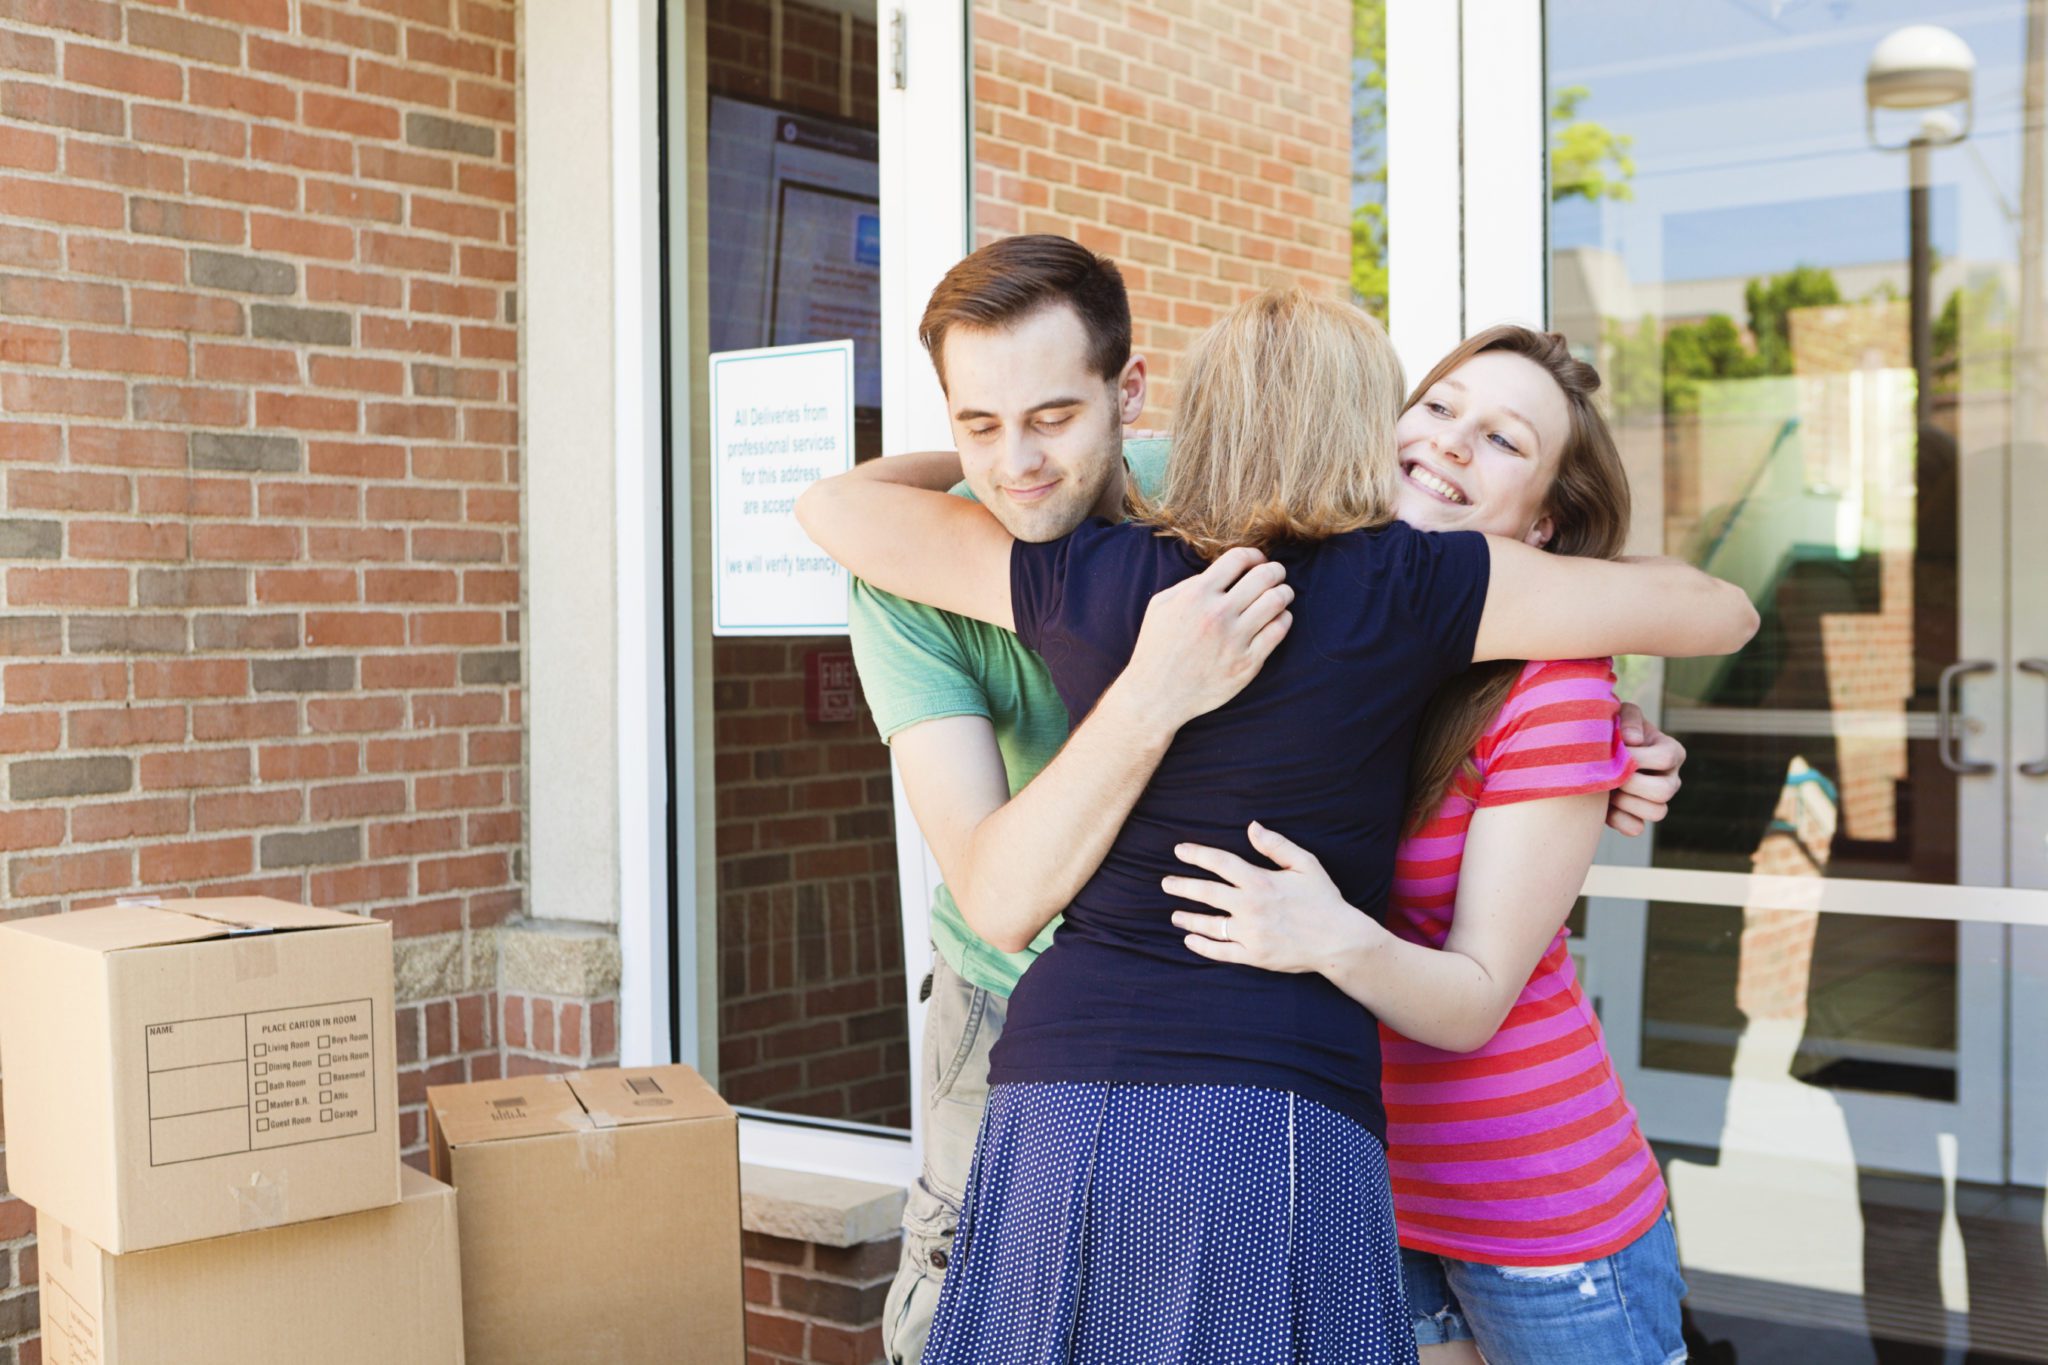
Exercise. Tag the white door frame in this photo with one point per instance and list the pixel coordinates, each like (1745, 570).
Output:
(925, 182)
(1497, 142)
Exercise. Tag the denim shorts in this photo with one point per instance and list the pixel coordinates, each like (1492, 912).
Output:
(1620, 1310)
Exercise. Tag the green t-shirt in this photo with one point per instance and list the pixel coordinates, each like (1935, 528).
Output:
(918, 663)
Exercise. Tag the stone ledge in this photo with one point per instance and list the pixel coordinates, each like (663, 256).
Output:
(558, 957)
(434, 965)
(829, 1210)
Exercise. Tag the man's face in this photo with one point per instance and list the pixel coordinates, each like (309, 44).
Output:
(1040, 434)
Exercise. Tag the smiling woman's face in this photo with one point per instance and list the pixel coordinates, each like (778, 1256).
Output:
(1479, 450)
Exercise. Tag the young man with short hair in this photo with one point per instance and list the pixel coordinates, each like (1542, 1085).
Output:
(1031, 339)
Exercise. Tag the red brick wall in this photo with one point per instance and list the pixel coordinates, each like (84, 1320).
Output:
(257, 416)
(19, 1302)
(557, 1033)
(807, 72)
(259, 585)
(815, 1305)
(1205, 149)
(810, 943)
(443, 1041)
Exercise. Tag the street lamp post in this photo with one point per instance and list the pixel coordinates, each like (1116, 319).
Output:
(1921, 67)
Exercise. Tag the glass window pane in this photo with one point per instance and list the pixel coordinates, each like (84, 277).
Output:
(809, 975)
(1809, 296)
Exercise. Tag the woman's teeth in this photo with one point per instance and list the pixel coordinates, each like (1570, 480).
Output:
(1435, 485)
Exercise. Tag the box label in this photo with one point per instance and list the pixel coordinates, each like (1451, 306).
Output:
(235, 1083)
(71, 1333)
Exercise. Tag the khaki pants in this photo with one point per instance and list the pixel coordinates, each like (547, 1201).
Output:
(961, 1024)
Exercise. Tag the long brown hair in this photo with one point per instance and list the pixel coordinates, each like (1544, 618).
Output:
(1588, 505)
(1285, 427)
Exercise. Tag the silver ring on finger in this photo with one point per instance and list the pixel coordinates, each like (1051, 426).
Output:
(1223, 930)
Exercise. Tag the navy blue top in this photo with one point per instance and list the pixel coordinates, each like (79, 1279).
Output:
(1315, 748)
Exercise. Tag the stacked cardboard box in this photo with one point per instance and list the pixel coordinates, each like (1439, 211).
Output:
(202, 1106)
(376, 1286)
(600, 1216)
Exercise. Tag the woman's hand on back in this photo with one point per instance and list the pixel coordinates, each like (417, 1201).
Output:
(1206, 637)
(1288, 918)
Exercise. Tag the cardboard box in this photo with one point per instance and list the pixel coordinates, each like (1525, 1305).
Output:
(600, 1216)
(198, 1068)
(380, 1286)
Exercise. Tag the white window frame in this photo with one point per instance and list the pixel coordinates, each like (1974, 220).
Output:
(927, 184)
(645, 1035)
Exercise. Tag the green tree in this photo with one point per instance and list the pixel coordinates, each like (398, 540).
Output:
(1714, 348)
(1368, 155)
(1369, 258)
(1974, 337)
(1587, 160)
(1711, 348)
(1634, 366)
(1771, 301)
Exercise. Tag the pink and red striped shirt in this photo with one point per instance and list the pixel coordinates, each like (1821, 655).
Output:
(1524, 1152)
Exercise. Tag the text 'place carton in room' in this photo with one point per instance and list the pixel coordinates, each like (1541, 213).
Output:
(600, 1216)
(196, 1068)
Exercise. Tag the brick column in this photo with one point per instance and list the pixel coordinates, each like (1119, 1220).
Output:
(820, 1251)
(812, 1303)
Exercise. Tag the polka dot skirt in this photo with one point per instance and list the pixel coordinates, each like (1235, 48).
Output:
(1176, 1225)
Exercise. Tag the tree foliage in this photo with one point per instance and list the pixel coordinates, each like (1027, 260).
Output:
(1715, 348)
(1770, 303)
(1633, 369)
(1369, 155)
(1588, 160)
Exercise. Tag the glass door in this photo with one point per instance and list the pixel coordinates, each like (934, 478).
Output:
(1803, 243)
(816, 179)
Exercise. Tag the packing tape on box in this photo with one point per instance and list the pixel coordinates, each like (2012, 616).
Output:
(597, 1152)
(263, 1202)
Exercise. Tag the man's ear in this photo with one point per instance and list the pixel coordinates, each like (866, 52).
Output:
(1130, 391)
(1540, 534)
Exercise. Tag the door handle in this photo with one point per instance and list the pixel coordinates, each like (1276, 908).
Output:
(1945, 735)
(2039, 668)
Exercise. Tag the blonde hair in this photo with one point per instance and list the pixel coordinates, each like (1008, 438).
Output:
(1285, 427)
